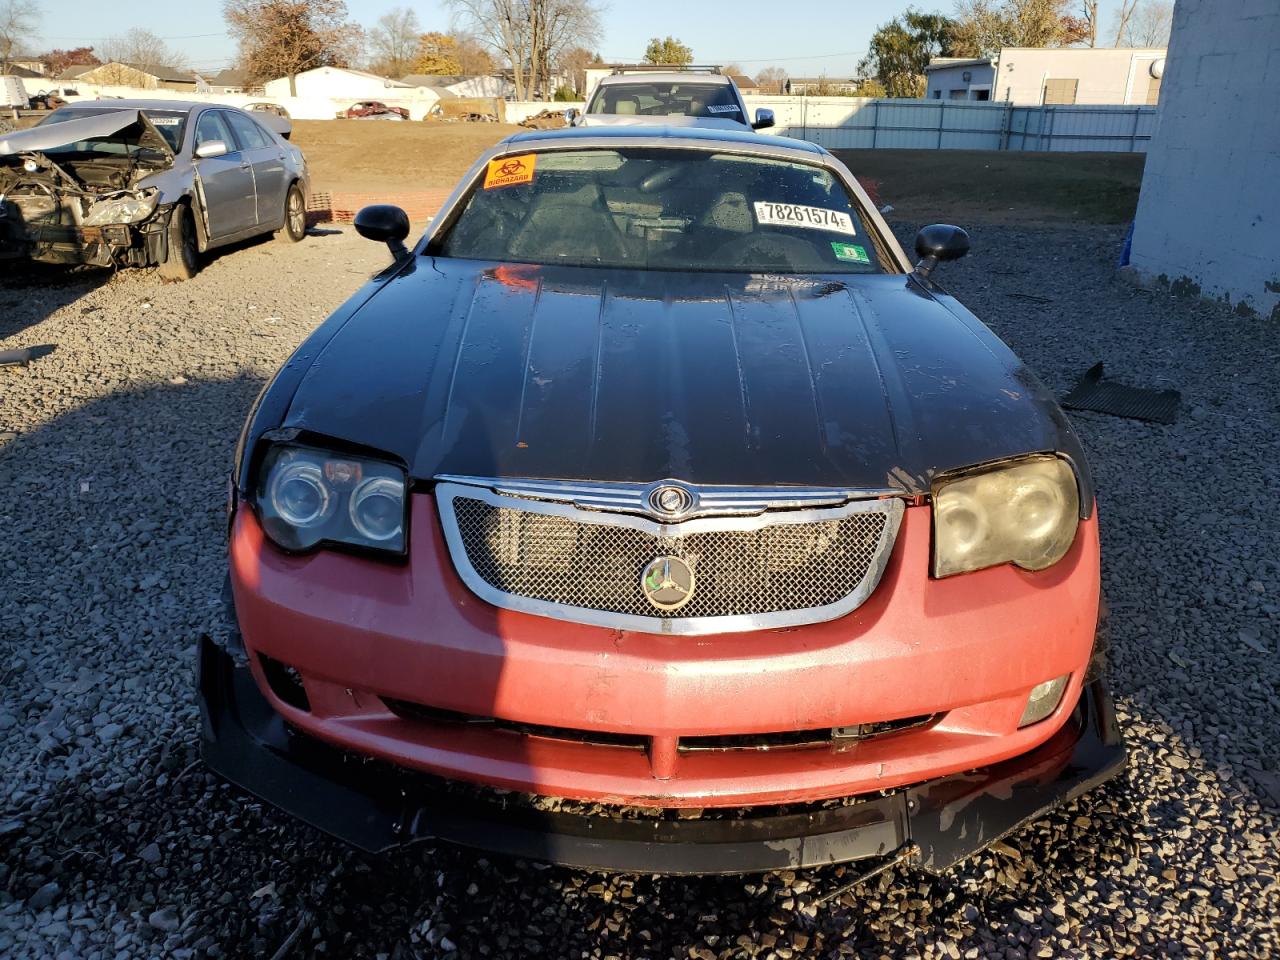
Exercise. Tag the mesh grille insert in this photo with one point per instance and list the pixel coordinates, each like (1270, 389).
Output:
(770, 568)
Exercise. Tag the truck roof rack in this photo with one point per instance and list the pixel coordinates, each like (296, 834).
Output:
(669, 68)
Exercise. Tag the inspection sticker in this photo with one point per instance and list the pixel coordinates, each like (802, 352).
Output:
(850, 252)
(508, 171)
(796, 215)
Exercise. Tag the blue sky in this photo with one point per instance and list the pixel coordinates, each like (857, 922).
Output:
(804, 37)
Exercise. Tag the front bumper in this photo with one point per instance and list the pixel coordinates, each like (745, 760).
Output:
(376, 806)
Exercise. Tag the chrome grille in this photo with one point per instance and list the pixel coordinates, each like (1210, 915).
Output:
(777, 568)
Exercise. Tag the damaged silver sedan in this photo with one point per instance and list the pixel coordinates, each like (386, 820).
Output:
(143, 183)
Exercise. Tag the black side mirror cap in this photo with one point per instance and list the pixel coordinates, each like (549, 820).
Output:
(937, 243)
(764, 119)
(385, 223)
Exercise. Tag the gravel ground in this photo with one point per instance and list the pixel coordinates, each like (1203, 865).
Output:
(114, 842)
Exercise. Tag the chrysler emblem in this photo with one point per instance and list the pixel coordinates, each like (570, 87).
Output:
(667, 583)
(670, 500)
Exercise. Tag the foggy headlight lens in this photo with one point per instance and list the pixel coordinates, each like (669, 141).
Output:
(121, 210)
(1026, 514)
(307, 496)
(1044, 699)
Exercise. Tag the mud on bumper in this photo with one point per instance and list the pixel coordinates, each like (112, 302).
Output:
(377, 807)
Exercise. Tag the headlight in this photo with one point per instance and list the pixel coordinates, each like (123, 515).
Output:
(307, 496)
(121, 210)
(1025, 513)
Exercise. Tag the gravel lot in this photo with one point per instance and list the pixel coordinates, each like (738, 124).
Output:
(115, 843)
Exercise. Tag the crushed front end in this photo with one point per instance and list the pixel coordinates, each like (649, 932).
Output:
(70, 201)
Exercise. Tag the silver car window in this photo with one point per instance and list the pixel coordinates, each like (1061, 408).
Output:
(247, 132)
(210, 126)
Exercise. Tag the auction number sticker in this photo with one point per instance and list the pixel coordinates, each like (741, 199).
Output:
(508, 171)
(723, 108)
(165, 121)
(797, 215)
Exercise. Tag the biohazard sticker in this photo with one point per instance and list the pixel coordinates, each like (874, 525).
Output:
(797, 215)
(850, 253)
(509, 171)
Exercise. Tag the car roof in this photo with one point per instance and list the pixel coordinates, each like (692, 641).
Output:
(674, 76)
(179, 105)
(643, 133)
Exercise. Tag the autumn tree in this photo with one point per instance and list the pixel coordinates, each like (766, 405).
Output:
(529, 35)
(393, 42)
(139, 46)
(982, 27)
(473, 59)
(573, 64)
(772, 80)
(668, 51)
(903, 47)
(283, 38)
(57, 61)
(18, 20)
(437, 56)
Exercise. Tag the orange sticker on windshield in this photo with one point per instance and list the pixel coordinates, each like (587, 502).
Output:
(508, 171)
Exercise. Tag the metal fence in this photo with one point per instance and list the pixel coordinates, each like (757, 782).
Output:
(847, 123)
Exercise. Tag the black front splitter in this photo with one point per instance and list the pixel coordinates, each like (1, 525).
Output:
(377, 807)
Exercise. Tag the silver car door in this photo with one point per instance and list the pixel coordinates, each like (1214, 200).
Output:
(226, 182)
(270, 175)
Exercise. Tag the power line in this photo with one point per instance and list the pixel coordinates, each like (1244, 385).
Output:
(82, 37)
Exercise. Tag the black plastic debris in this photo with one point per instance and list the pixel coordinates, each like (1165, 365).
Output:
(1121, 400)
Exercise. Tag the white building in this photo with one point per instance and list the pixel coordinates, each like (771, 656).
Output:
(1034, 76)
(1206, 219)
(958, 78)
(338, 83)
(484, 86)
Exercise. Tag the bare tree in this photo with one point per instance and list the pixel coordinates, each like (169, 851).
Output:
(18, 19)
(393, 42)
(283, 38)
(772, 80)
(1123, 16)
(141, 47)
(1089, 14)
(528, 34)
(1150, 24)
(473, 59)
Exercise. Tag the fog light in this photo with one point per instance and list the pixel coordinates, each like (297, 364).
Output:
(1044, 699)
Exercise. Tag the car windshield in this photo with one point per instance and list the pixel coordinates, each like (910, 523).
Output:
(170, 124)
(662, 209)
(680, 99)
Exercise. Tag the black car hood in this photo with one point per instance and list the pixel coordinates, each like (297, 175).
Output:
(463, 367)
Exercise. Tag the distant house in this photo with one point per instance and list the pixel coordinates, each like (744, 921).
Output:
(24, 65)
(1053, 76)
(143, 76)
(811, 86)
(486, 86)
(959, 78)
(341, 83)
(745, 83)
(228, 81)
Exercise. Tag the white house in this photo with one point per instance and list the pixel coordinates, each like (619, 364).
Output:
(1206, 219)
(483, 85)
(1034, 76)
(339, 83)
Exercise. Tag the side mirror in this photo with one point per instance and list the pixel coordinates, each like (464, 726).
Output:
(937, 243)
(571, 116)
(764, 119)
(212, 148)
(386, 224)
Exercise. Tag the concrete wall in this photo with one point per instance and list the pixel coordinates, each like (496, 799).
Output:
(1106, 76)
(334, 82)
(1209, 215)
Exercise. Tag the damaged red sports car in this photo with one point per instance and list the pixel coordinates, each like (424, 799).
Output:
(655, 513)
